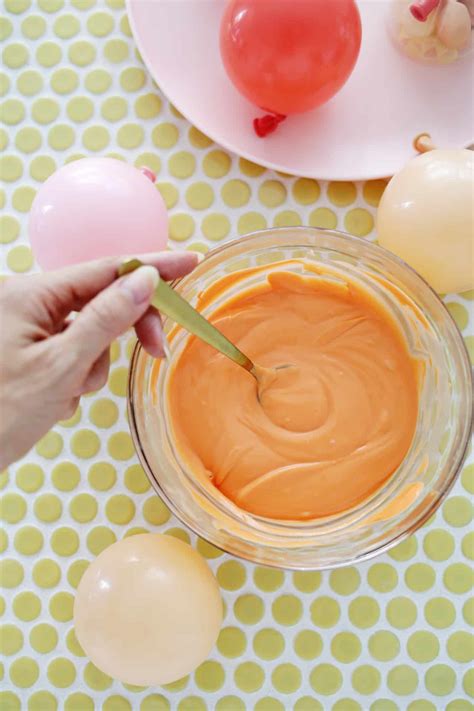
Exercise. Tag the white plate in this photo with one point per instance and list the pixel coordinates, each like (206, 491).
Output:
(364, 132)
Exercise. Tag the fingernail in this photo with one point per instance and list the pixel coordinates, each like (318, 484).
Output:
(200, 256)
(141, 283)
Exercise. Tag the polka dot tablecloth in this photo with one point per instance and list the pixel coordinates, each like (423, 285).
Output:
(392, 634)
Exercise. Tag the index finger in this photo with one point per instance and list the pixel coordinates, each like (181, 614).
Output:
(75, 286)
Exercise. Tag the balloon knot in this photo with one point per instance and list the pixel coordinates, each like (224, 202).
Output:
(148, 173)
(267, 124)
(423, 8)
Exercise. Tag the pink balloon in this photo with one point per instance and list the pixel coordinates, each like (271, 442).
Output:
(96, 207)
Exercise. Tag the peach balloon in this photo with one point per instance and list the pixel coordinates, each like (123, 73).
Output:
(96, 207)
(426, 217)
(148, 610)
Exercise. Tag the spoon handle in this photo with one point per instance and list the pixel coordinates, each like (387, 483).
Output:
(170, 303)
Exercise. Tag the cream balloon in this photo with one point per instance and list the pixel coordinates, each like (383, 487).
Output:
(148, 610)
(426, 217)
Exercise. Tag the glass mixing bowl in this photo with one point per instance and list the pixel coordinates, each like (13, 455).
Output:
(414, 491)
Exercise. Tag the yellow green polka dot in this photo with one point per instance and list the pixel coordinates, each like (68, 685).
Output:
(120, 509)
(75, 572)
(29, 83)
(307, 703)
(116, 51)
(61, 673)
(467, 478)
(458, 511)
(11, 639)
(42, 167)
(102, 476)
(61, 606)
(272, 193)
(249, 609)
(216, 226)
(83, 508)
(11, 168)
(43, 638)
(95, 138)
(231, 575)
(120, 446)
(95, 679)
(85, 444)
(148, 106)
(79, 702)
(307, 581)
(20, 259)
(420, 577)
(207, 549)
(26, 606)
(132, 79)
(342, 193)
(249, 677)
(404, 550)
(459, 313)
(182, 164)
(23, 197)
(46, 573)
(12, 112)
(9, 701)
(198, 139)
(48, 54)
(178, 533)
(440, 680)
(268, 579)
(287, 218)
(439, 612)
(9, 229)
(33, 26)
(6, 28)
(130, 135)
(345, 647)
(287, 610)
(80, 109)
(169, 194)
(42, 701)
(366, 679)
(103, 413)
(251, 222)
(15, 55)
(286, 678)
(100, 24)
(209, 676)
(325, 612)
(308, 644)
(458, 578)
(82, 53)
(358, 222)
(12, 508)
(438, 545)
(373, 191)
(401, 612)
(99, 539)
(51, 5)
(98, 81)
(252, 170)
(66, 26)
(156, 702)
(423, 646)
(216, 164)
(231, 642)
(364, 612)
(324, 218)
(118, 381)
(235, 193)
(3, 540)
(24, 672)
(344, 581)
(28, 540)
(65, 476)
(50, 446)
(61, 137)
(199, 196)
(181, 227)
(64, 541)
(383, 646)
(306, 191)
(326, 679)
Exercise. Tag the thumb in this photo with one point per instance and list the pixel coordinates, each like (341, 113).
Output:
(112, 312)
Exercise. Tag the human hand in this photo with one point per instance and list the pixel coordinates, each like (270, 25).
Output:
(47, 361)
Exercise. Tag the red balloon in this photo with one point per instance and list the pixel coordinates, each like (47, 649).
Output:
(289, 56)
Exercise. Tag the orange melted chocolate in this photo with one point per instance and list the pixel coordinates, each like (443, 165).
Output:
(316, 439)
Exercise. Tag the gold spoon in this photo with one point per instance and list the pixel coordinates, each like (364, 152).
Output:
(170, 303)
